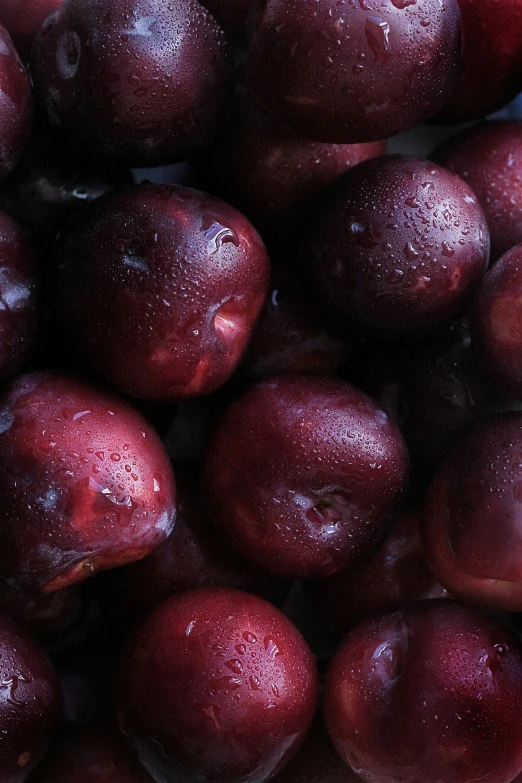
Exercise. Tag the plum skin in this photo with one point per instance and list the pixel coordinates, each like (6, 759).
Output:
(351, 72)
(136, 81)
(301, 472)
(80, 467)
(471, 515)
(216, 684)
(176, 277)
(430, 692)
(30, 702)
(400, 248)
(23, 20)
(16, 109)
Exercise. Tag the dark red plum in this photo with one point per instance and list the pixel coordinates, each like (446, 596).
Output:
(16, 105)
(140, 81)
(85, 482)
(400, 248)
(176, 277)
(497, 321)
(431, 692)
(90, 755)
(317, 761)
(23, 19)
(491, 70)
(293, 335)
(349, 72)
(217, 685)
(394, 575)
(51, 182)
(489, 157)
(194, 555)
(472, 514)
(19, 290)
(47, 617)
(273, 175)
(301, 473)
(29, 702)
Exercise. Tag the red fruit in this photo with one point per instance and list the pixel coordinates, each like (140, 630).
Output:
(23, 19)
(46, 617)
(431, 692)
(400, 248)
(136, 80)
(216, 685)
(18, 297)
(301, 473)
(354, 72)
(29, 704)
(491, 70)
(85, 483)
(16, 106)
(472, 512)
(489, 158)
(176, 277)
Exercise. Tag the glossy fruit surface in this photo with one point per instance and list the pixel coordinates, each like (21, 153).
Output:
(29, 702)
(139, 81)
(401, 247)
(23, 19)
(301, 473)
(472, 515)
(85, 483)
(431, 692)
(217, 685)
(16, 105)
(349, 72)
(489, 157)
(176, 277)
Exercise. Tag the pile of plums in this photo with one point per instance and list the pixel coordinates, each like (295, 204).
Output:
(260, 392)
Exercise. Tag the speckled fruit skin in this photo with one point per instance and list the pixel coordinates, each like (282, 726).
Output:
(301, 472)
(23, 19)
(497, 321)
(194, 555)
(489, 157)
(217, 685)
(401, 247)
(349, 72)
(19, 290)
(136, 80)
(472, 515)
(273, 175)
(30, 702)
(431, 692)
(176, 277)
(491, 70)
(92, 754)
(16, 105)
(85, 483)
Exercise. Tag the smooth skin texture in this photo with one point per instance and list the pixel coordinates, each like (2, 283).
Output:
(16, 105)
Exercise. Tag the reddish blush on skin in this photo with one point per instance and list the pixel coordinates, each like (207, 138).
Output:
(491, 70)
(85, 482)
(394, 575)
(16, 105)
(350, 73)
(23, 19)
(194, 555)
(29, 705)
(497, 321)
(93, 754)
(139, 81)
(472, 512)
(19, 293)
(400, 248)
(217, 684)
(489, 157)
(301, 473)
(430, 692)
(176, 277)
(273, 175)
